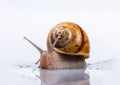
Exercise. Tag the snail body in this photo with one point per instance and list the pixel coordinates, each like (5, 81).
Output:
(68, 47)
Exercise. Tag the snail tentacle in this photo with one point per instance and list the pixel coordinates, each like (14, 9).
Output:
(51, 49)
(38, 48)
(54, 43)
(38, 61)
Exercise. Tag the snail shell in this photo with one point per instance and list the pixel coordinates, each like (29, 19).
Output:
(73, 39)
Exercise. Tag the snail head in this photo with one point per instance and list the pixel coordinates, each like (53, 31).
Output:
(44, 54)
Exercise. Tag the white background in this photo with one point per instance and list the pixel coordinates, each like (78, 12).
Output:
(34, 19)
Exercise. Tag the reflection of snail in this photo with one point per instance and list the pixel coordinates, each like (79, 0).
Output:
(64, 77)
(68, 47)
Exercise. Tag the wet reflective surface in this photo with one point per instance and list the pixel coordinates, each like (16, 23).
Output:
(99, 73)
(64, 77)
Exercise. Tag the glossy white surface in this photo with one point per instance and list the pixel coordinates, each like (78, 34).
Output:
(98, 73)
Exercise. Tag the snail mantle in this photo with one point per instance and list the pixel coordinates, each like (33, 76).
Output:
(67, 47)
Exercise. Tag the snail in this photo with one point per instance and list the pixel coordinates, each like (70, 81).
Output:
(68, 47)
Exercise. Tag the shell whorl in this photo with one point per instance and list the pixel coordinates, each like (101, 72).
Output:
(73, 40)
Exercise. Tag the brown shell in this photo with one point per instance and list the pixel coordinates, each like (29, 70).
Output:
(73, 41)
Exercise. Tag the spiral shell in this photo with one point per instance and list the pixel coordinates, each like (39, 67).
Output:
(73, 39)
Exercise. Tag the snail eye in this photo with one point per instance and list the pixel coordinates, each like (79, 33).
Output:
(59, 33)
